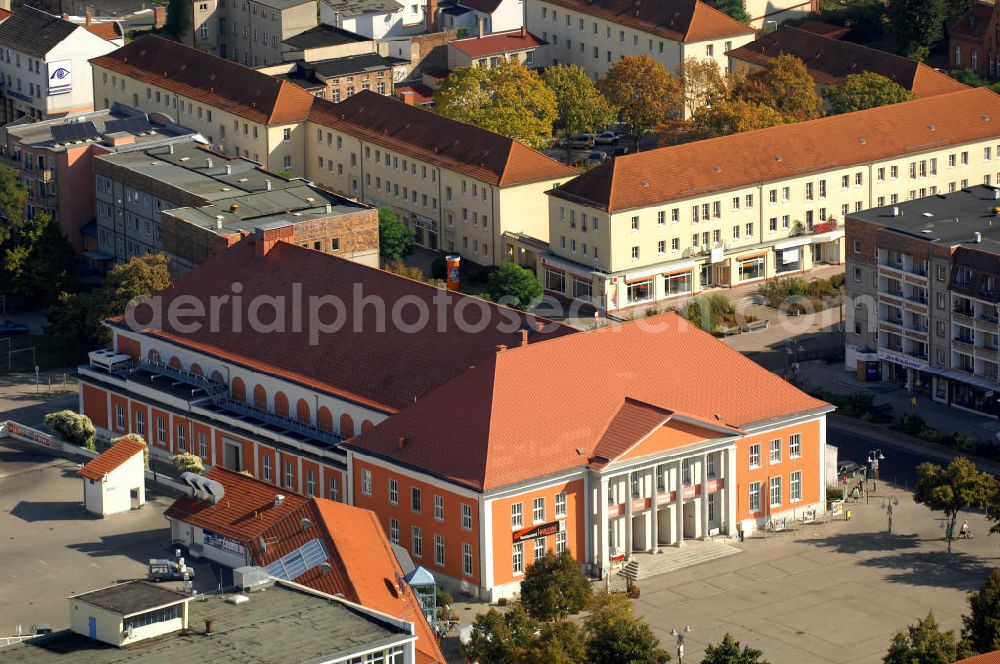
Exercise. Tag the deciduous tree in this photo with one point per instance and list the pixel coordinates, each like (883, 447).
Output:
(514, 285)
(916, 25)
(185, 462)
(580, 107)
(509, 99)
(733, 116)
(704, 84)
(74, 427)
(395, 239)
(39, 260)
(500, 638)
(981, 628)
(554, 586)
(13, 197)
(644, 92)
(728, 652)
(559, 642)
(925, 643)
(615, 634)
(959, 486)
(865, 90)
(785, 85)
(734, 8)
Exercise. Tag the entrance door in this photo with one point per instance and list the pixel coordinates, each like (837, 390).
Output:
(231, 457)
(639, 533)
(134, 495)
(92, 627)
(691, 520)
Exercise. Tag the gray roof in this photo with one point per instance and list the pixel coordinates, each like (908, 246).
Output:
(280, 625)
(132, 597)
(324, 35)
(312, 75)
(34, 32)
(946, 219)
(359, 7)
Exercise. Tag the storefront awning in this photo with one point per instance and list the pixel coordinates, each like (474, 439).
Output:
(795, 242)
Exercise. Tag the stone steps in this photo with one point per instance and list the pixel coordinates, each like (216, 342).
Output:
(671, 559)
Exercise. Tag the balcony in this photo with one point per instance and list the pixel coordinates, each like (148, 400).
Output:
(963, 343)
(962, 314)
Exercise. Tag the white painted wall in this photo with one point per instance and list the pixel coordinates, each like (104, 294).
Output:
(113, 495)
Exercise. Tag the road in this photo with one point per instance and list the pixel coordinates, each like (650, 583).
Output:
(899, 466)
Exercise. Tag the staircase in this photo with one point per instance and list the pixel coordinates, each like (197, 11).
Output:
(670, 559)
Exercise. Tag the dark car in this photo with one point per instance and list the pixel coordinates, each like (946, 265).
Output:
(848, 469)
(9, 328)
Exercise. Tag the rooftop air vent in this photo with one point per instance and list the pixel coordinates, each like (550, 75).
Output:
(278, 499)
(305, 524)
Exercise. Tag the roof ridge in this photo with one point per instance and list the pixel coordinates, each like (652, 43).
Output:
(702, 8)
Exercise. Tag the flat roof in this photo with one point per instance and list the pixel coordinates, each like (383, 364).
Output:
(946, 219)
(359, 7)
(325, 35)
(132, 597)
(283, 623)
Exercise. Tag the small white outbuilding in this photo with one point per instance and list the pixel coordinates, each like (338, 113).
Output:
(115, 480)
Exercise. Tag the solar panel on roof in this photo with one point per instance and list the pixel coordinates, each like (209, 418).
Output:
(74, 131)
(138, 124)
(298, 562)
(114, 126)
(61, 133)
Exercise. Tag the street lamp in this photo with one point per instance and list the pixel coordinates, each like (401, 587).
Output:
(792, 353)
(680, 642)
(874, 456)
(888, 506)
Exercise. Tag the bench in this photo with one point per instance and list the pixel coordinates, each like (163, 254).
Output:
(757, 325)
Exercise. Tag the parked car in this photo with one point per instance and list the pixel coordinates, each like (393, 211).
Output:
(9, 328)
(606, 138)
(596, 157)
(581, 141)
(161, 569)
(619, 150)
(847, 470)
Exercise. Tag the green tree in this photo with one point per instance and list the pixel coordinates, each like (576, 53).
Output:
(616, 635)
(185, 462)
(959, 486)
(925, 643)
(728, 652)
(509, 99)
(77, 317)
(180, 20)
(500, 638)
(785, 85)
(554, 586)
(981, 628)
(142, 441)
(559, 642)
(580, 107)
(916, 25)
(515, 284)
(733, 116)
(395, 239)
(865, 90)
(74, 427)
(39, 260)
(644, 92)
(13, 197)
(734, 8)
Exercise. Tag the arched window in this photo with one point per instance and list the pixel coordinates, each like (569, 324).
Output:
(280, 404)
(259, 397)
(324, 419)
(302, 412)
(239, 390)
(366, 426)
(196, 369)
(175, 363)
(346, 426)
(217, 378)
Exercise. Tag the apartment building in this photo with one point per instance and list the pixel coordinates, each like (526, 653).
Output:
(490, 50)
(459, 186)
(191, 203)
(44, 68)
(669, 222)
(251, 32)
(922, 277)
(375, 19)
(766, 13)
(830, 61)
(238, 110)
(56, 163)
(490, 15)
(973, 41)
(596, 34)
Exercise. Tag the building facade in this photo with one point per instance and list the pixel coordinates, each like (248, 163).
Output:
(670, 222)
(44, 66)
(594, 35)
(251, 32)
(375, 19)
(922, 277)
(489, 51)
(973, 42)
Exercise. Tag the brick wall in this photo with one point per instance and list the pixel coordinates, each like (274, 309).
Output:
(357, 232)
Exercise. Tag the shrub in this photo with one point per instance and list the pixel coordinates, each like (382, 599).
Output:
(834, 493)
(185, 462)
(74, 427)
(910, 423)
(139, 439)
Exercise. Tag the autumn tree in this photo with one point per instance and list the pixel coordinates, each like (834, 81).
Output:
(955, 488)
(916, 25)
(704, 84)
(644, 92)
(615, 634)
(865, 90)
(509, 99)
(981, 628)
(559, 642)
(580, 107)
(500, 638)
(554, 586)
(733, 116)
(925, 643)
(729, 652)
(785, 85)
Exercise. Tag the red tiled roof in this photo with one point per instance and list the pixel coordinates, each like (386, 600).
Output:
(498, 43)
(552, 402)
(385, 370)
(220, 83)
(5, 14)
(830, 61)
(112, 458)
(974, 22)
(987, 658)
(678, 20)
(244, 513)
(108, 30)
(824, 29)
(791, 150)
(633, 421)
(436, 139)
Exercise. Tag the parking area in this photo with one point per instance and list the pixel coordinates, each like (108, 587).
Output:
(51, 547)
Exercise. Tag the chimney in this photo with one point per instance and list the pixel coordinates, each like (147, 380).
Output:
(264, 239)
(524, 32)
(402, 442)
(218, 223)
(229, 169)
(524, 338)
(267, 184)
(278, 499)
(209, 625)
(481, 27)
(895, 210)
(977, 237)
(88, 18)
(501, 348)
(208, 163)
(171, 148)
(159, 16)
(408, 97)
(329, 209)
(430, 20)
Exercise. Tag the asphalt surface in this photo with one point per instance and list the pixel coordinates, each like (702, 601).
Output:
(899, 465)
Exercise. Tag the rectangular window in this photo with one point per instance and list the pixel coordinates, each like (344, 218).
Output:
(517, 558)
(439, 550)
(417, 541)
(560, 541)
(333, 493)
(393, 492)
(539, 548)
(538, 510)
(467, 559)
(394, 531)
(310, 482)
(265, 463)
(290, 474)
(775, 493)
(755, 455)
(754, 502)
(415, 499)
(516, 516)
(366, 482)
(795, 486)
(439, 508)
(181, 437)
(560, 505)
(775, 451)
(466, 516)
(795, 445)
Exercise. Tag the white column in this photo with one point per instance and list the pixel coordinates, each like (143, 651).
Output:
(679, 504)
(654, 546)
(732, 518)
(603, 556)
(703, 499)
(628, 516)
